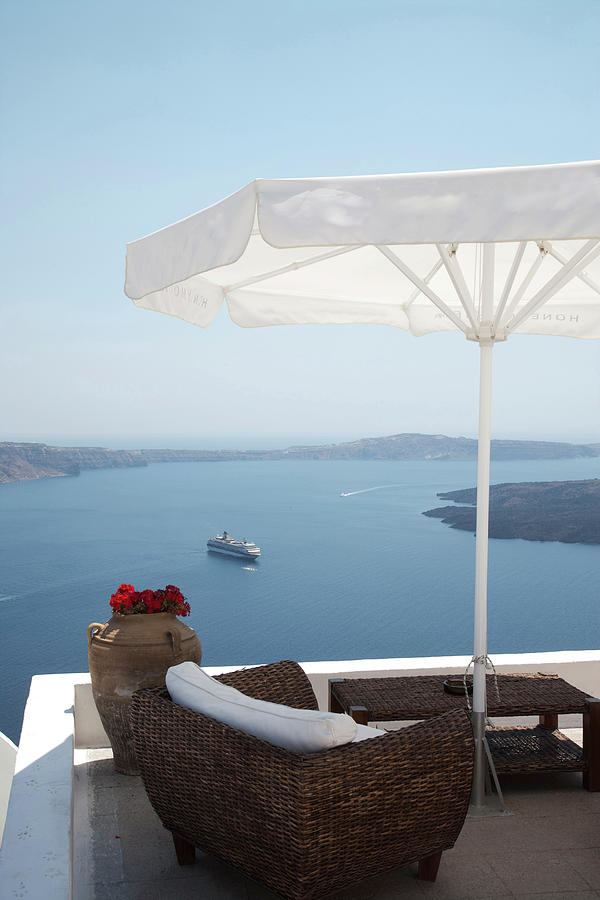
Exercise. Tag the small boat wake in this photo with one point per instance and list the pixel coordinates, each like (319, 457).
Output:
(379, 487)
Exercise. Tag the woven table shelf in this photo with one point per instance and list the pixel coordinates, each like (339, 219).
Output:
(526, 750)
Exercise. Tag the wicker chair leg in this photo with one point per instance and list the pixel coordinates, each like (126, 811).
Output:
(186, 852)
(428, 867)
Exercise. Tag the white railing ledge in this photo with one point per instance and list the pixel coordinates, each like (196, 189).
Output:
(8, 756)
(35, 859)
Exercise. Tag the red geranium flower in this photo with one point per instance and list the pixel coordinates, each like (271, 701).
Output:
(127, 601)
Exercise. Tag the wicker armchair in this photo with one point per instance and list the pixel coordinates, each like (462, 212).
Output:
(306, 825)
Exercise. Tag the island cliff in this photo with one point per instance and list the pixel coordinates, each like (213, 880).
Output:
(395, 446)
(21, 461)
(567, 511)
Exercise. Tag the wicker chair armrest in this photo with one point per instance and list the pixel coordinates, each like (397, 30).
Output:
(402, 767)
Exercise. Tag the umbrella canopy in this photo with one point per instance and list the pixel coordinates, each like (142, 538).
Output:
(401, 250)
(489, 253)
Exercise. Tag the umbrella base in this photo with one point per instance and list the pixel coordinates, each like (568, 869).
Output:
(484, 772)
(492, 806)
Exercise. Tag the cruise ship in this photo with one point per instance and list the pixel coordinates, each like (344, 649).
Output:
(224, 543)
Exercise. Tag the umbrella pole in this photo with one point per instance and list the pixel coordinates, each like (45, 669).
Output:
(481, 571)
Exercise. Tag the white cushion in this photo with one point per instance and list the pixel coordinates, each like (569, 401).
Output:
(300, 730)
(364, 732)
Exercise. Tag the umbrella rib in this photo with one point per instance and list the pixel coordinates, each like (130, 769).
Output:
(291, 267)
(427, 279)
(421, 285)
(583, 276)
(509, 282)
(589, 252)
(458, 280)
(518, 295)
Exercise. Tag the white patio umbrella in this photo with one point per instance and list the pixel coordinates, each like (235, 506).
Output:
(489, 252)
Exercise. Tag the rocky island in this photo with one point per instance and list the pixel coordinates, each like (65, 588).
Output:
(23, 461)
(567, 511)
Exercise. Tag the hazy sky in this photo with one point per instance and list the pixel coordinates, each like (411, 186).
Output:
(121, 117)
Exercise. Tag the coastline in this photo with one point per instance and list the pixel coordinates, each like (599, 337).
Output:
(21, 461)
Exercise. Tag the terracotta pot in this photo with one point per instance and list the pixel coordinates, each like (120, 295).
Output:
(131, 652)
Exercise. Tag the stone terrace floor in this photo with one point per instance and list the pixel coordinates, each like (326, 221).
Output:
(548, 848)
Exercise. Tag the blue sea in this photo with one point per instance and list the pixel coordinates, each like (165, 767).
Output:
(340, 577)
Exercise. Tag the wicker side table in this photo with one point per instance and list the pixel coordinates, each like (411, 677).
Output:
(522, 749)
